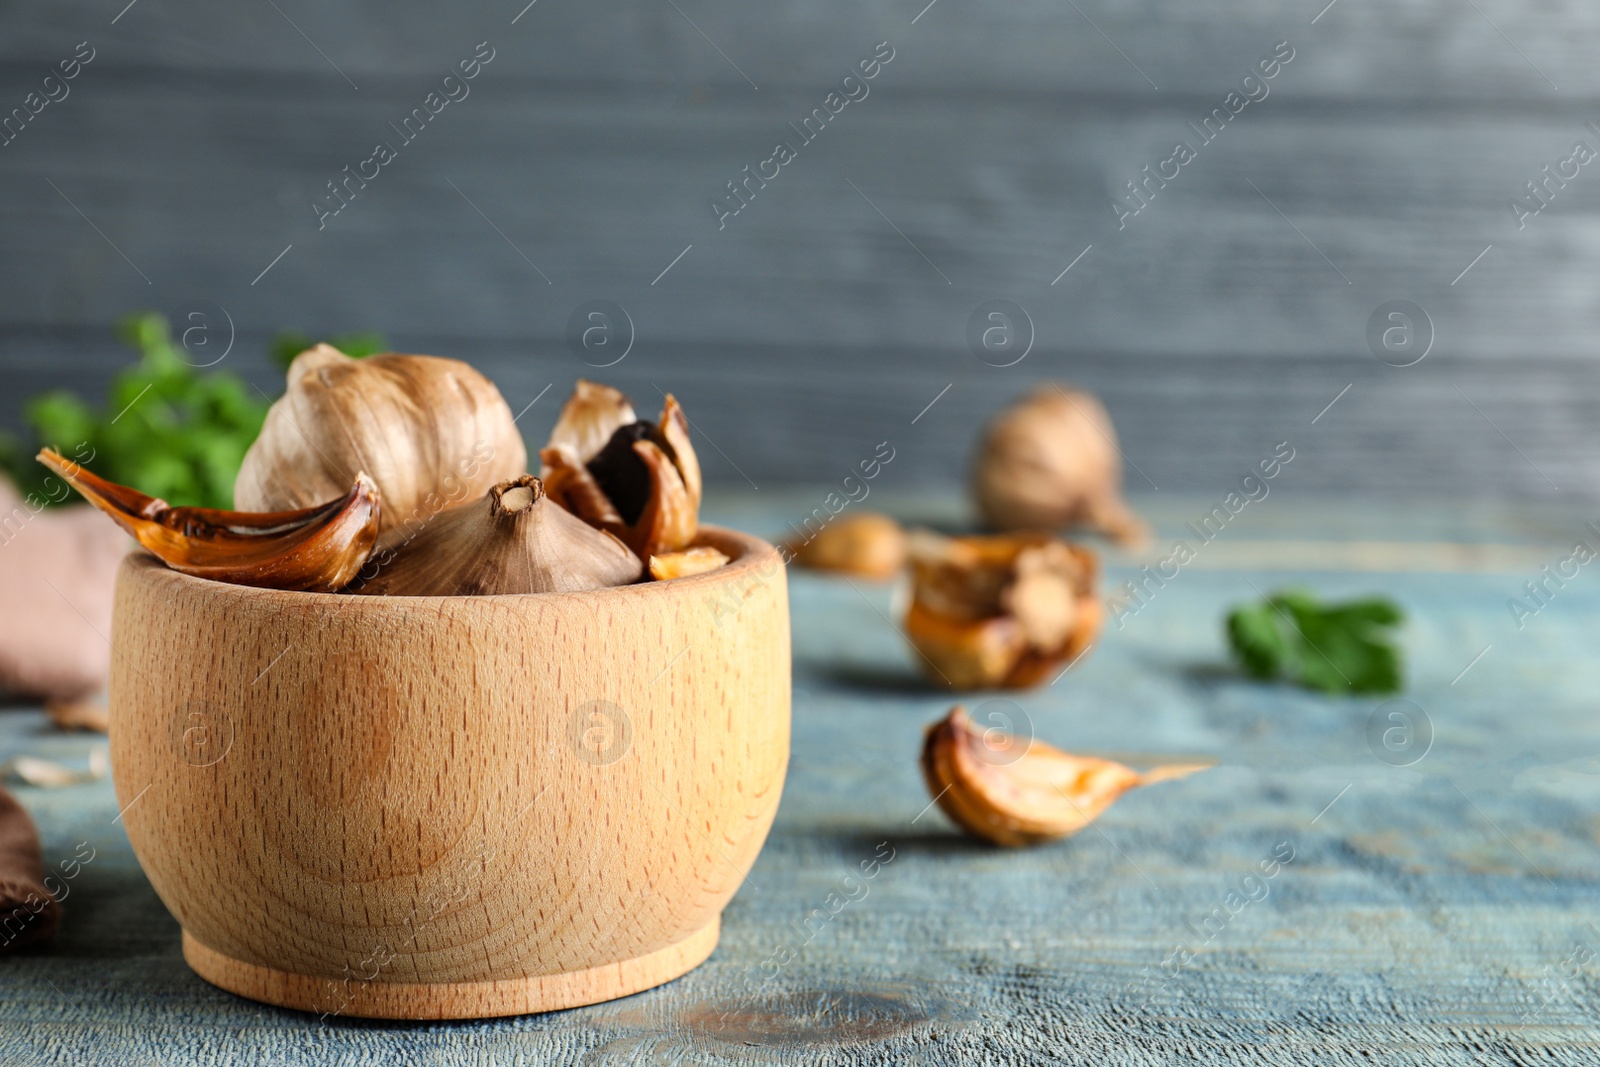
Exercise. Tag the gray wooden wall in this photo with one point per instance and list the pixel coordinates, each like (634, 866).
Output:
(828, 313)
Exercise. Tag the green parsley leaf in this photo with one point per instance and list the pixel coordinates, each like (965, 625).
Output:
(167, 429)
(1337, 648)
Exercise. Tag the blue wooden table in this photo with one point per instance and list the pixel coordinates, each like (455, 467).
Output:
(1432, 897)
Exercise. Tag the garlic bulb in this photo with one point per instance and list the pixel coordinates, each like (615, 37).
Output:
(432, 433)
(1051, 461)
(1004, 611)
(514, 540)
(639, 480)
(1014, 791)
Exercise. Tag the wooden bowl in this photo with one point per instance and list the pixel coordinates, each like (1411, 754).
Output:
(450, 807)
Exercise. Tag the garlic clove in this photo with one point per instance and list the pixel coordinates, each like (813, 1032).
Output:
(589, 418)
(670, 518)
(1050, 461)
(865, 543)
(642, 482)
(1013, 791)
(569, 483)
(319, 549)
(673, 434)
(514, 540)
(432, 433)
(685, 564)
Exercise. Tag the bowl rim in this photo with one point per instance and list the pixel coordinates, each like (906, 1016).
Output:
(746, 553)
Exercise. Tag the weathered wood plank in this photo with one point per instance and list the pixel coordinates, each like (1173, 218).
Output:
(995, 140)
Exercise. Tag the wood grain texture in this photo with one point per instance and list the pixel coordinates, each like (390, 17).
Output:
(453, 806)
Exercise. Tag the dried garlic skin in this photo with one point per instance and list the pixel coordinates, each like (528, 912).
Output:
(1000, 612)
(589, 419)
(1050, 462)
(633, 478)
(864, 543)
(1013, 791)
(433, 433)
(689, 562)
(318, 549)
(514, 540)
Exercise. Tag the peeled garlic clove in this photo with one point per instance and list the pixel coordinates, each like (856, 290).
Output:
(690, 561)
(864, 543)
(1013, 791)
(318, 549)
(589, 418)
(1002, 611)
(1051, 461)
(514, 540)
(433, 433)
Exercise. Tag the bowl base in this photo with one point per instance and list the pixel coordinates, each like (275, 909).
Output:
(451, 1000)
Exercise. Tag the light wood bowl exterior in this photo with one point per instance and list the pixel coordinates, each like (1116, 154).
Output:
(409, 807)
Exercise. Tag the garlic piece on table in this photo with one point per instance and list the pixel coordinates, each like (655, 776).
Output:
(319, 549)
(1002, 611)
(1014, 791)
(640, 482)
(433, 433)
(1051, 461)
(865, 543)
(514, 540)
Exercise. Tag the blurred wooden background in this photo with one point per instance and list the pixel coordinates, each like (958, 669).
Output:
(1222, 319)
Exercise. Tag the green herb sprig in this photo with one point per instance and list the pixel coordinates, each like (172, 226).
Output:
(1337, 648)
(167, 428)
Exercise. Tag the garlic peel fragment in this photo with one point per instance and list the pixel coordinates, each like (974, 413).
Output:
(514, 540)
(589, 418)
(1013, 791)
(48, 774)
(319, 549)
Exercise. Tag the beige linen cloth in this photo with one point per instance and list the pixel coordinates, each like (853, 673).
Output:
(58, 568)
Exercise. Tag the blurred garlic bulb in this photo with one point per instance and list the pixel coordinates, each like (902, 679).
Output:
(432, 433)
(514, 540)
(637, 479)
(1051, 461)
